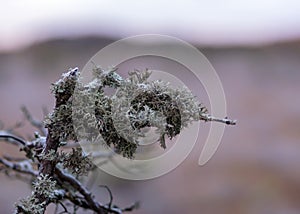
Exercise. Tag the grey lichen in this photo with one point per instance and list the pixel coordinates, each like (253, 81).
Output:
(137, 103)
(147, 104)
(51, 155)
(29, 205)
(60, 120)
(45, 187)
(76, 161)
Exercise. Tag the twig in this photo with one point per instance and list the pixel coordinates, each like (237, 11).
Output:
(89, 201)
(110, 195)
(34, 122)
(64, 207)
(9, 158)
(78, 186)
(11, 138)
(76, 201)
(208, 117)
(134, 206)
(19, 166)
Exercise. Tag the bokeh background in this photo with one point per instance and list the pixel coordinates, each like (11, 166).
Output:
(254, 47)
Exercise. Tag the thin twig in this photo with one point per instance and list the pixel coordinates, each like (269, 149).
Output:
(92, 204)
(208, 117)
(134, 206)
(110, 195)
(12, 138)
(78, 186)
(9, 158)
(33, 122)
(21, 167)
(64, 207)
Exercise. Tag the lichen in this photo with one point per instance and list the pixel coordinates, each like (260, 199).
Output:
(137, 103)
(45, 187)
(76, 161)
(30, 205)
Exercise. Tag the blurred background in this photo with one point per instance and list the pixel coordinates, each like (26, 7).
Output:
(254, 47)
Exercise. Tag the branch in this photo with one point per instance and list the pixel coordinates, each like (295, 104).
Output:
(63, 92)
(89, 201)
(78, 186)
(80, 202)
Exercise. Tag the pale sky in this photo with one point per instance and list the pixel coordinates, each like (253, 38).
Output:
(209, 22)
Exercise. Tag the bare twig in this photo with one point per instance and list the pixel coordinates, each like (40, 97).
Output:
(9, 158)
(110, 195)
(64, 207)
(23, 166)
(7, 136)
(134, 206)
(208, 117)
(35, 123)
